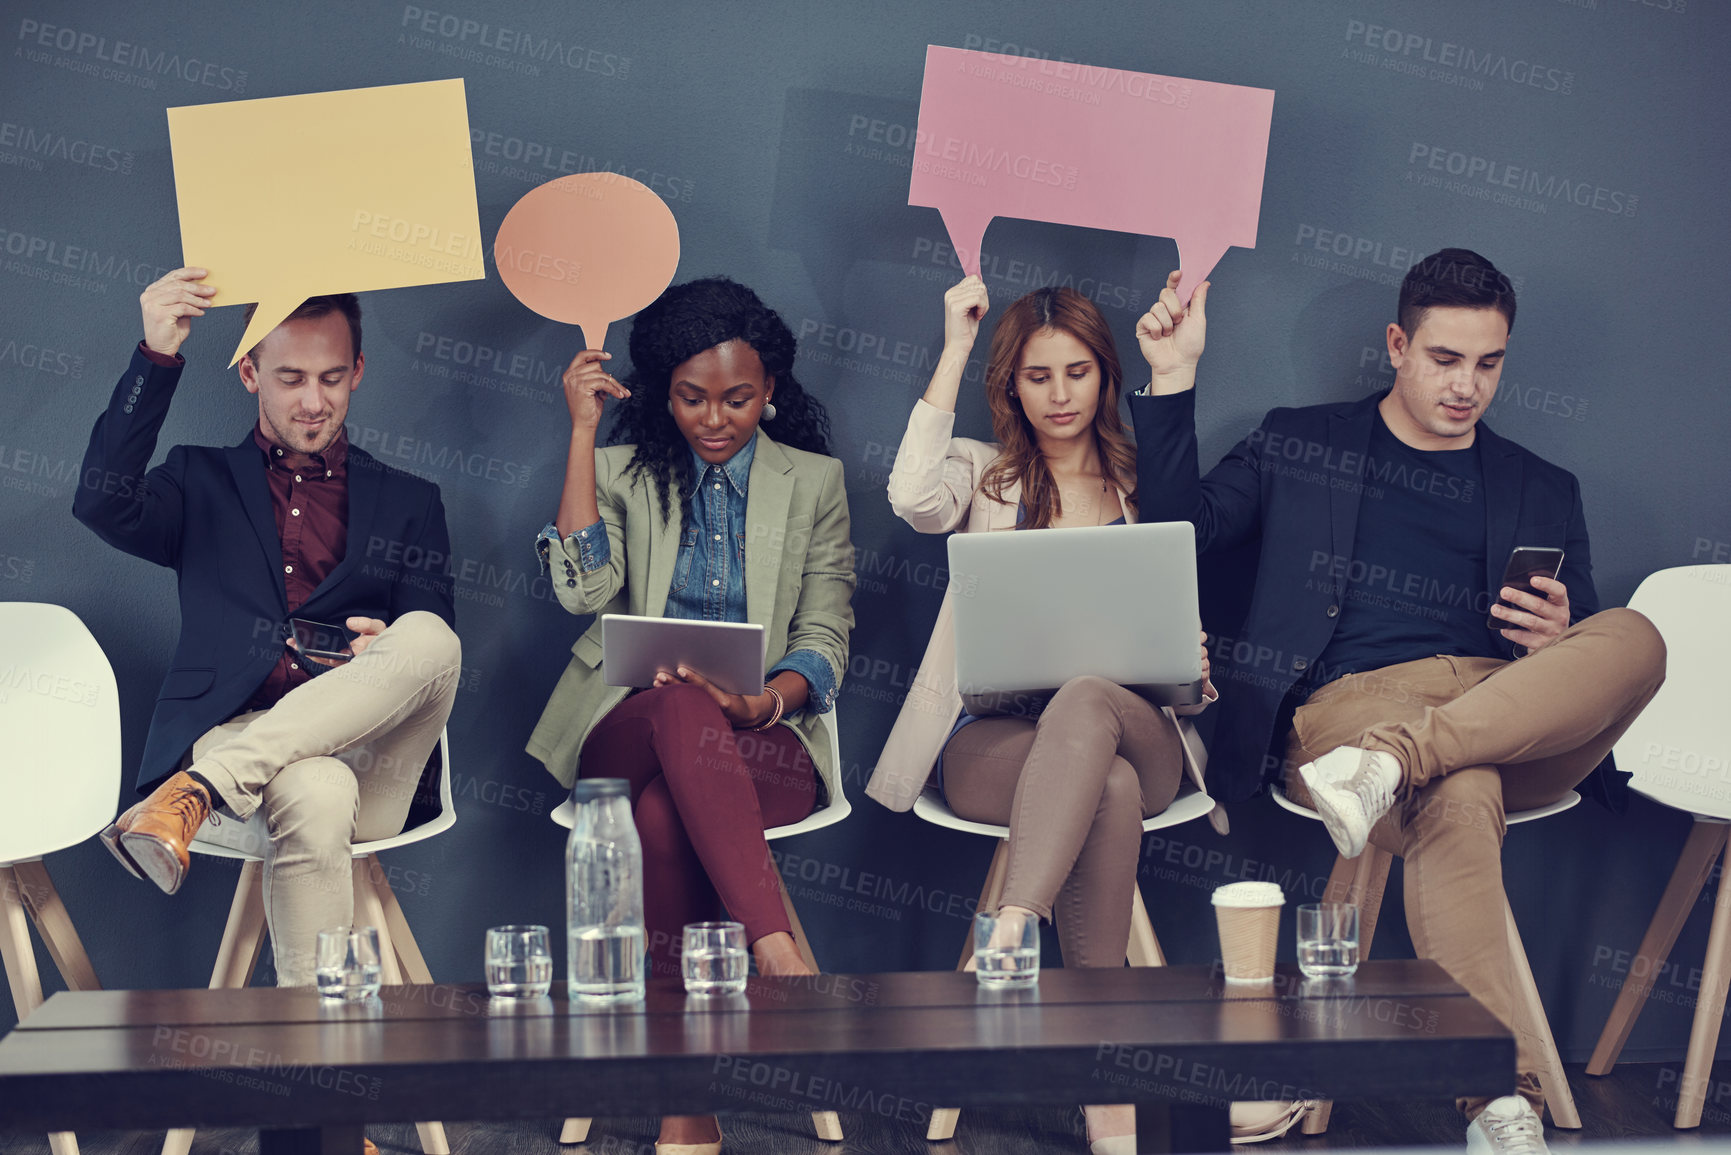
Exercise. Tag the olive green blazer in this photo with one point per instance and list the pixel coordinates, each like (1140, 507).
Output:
(799, 582)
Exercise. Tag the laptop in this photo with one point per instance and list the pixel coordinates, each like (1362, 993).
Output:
(1035, 609)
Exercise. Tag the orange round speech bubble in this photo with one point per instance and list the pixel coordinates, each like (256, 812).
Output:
(588, 249)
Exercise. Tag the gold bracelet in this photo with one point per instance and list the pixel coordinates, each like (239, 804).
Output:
(775, 714)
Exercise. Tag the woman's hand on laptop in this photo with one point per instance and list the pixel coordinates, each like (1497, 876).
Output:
(739, 709)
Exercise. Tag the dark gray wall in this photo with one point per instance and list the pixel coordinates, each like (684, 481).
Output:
(761, 124)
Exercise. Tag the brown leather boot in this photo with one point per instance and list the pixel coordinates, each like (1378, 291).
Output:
(151, 839)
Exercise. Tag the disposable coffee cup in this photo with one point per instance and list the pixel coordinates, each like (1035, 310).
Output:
(1248, 915)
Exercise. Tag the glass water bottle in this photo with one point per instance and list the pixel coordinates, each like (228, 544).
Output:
(604, 895)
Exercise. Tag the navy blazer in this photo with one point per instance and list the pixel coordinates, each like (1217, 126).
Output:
(1293, 486)
(205, 513)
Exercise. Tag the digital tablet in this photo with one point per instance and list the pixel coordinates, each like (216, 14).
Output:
(634, 649)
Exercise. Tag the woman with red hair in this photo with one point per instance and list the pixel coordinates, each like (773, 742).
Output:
(1074, 785)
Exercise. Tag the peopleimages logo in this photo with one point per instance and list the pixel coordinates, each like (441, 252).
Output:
(27, 146)
(1486, 178)
(1442, 60)
(38, 40)
(436, 461)
(465, 37)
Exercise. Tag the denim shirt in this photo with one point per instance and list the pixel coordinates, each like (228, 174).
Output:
(709, 572)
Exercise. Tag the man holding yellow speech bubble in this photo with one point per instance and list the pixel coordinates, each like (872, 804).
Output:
(316, 663)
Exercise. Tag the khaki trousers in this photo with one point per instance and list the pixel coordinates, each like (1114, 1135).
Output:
(1475, 738)
(336, 760)
(1073, 788)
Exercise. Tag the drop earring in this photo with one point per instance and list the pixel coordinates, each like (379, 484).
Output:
(670, 406)
(769, 411)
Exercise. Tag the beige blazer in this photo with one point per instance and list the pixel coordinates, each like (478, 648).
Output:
(935, 487)
(799, 581)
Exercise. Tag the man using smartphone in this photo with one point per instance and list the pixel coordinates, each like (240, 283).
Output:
(1364, 677)
(282, 525)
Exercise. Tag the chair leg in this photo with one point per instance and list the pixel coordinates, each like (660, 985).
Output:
(42, 900)
(16, 949)
(370, 911)
(414, 964)
(1144, 947)
(1362, 882)
(942, 1124)
(18, 955)
(1705, 842)
(1531, 1021)
(243, 934)
(827, 1124)
(236, 958)
(1709, 1006)
(991, 891)
(799, 939)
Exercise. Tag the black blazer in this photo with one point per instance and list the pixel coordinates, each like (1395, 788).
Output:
(1292, 488)
(205, 512)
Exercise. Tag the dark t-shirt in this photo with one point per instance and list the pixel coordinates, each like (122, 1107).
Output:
(1415, 583)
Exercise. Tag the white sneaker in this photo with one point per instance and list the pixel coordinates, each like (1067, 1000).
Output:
(1508, 1126)
(1351, 789)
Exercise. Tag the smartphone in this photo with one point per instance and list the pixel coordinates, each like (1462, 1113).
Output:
(1525, 563)
(323, 640)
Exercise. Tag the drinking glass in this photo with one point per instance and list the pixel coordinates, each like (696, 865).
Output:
(1327, 939)
(519, 962)
(347, 963)
(715, 960)
(1006, 950)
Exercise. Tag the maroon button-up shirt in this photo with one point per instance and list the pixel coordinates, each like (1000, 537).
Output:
(309, 496)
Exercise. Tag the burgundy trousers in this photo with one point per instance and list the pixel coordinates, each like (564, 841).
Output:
(702, 793)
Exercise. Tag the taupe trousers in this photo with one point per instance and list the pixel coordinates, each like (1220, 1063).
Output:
(1476, 738)
(1073, 789)
(336, 760)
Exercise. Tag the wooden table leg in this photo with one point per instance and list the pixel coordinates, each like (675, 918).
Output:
(1166, 1126)
(341, 1140)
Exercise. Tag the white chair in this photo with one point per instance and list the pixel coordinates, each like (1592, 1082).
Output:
(826, 1123)
(1362, 880)
(1144, 948)
(375, 905)
(1678, 753)
(60, 721)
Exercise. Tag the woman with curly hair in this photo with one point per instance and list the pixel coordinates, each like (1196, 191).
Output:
(1074, 786)
(700, 512)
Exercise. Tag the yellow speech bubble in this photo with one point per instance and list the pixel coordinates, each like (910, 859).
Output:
(332, 192)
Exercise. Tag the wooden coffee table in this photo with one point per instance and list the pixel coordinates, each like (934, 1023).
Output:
(1176, 1041)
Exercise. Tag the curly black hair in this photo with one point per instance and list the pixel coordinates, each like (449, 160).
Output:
(683, 322)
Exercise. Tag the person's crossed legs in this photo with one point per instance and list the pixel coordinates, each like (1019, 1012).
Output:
(336, 759)
(1473, 738)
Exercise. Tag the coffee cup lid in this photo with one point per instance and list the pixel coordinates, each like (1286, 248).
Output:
(1249, 894)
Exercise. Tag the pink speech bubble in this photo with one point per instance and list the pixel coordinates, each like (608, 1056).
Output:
(1049, 140)
(588, 249)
